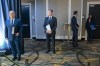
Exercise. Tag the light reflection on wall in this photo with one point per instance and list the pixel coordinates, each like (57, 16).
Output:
(3, 43)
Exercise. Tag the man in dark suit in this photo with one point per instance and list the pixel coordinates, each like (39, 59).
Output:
(75, 27)
(50, 34)
(13, 31)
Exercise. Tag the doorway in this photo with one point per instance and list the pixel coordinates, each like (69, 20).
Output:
(26, 20)
(94, 8)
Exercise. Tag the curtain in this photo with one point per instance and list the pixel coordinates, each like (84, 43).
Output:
(3, 45)
(14, 5)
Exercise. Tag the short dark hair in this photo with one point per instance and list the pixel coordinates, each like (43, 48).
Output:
(51, 10)
(75, 12)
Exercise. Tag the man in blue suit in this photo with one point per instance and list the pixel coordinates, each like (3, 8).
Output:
(13, 31)
(74, 26)
(50, 34)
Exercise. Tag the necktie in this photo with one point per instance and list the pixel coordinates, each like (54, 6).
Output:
(12, 26)
(12, 23)
(50, 18)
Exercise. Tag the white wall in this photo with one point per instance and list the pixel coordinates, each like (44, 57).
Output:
(40, 15)
(85, 6)
(60, 8)
(77, 6)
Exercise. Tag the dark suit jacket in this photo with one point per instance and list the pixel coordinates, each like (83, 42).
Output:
(87, 25)
(52, 22)
(74, 23)
(8, 30)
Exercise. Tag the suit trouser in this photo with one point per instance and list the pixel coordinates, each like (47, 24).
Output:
(75, 38)
(15, 47)
(89, 35)
(50, 38)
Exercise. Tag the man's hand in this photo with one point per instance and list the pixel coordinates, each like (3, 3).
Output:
(77, 27)
(47, 31)
(16, 34)
(50, 32)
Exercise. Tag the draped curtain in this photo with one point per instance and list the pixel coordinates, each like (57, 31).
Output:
(14, 5)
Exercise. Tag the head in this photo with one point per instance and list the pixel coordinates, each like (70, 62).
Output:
(90, 16)
(75, 13)
(12, 14)
(50, 12)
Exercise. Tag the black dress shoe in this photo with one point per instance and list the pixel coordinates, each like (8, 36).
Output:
(19, 58)
(53, 52)
(14, 58)
(47, 51)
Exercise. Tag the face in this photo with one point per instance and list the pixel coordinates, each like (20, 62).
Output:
(77, 14)
(12, 15)
(49, 13)
(90, 16)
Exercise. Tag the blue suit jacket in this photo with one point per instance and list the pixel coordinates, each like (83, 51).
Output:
(8, 29)
(52, 23)
(74, 23)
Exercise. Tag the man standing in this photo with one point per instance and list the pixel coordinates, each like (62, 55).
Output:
(75, 27)
(13, 31)
(50, 34)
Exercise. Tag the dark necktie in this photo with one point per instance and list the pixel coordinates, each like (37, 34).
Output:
(50, 18)
(12, 24)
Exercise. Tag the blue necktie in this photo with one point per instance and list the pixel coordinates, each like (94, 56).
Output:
(50, 18)
(12, 24)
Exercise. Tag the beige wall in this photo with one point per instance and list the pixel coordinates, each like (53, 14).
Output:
(40, 16)
(77, 6)
(60, 8)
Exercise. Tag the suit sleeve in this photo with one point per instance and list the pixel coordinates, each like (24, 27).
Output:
(6, 30)
(86, 25)
(75, 22)
(55, 25)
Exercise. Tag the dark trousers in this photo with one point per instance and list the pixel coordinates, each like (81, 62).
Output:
(15, 47)
(75, 38)
(90, 35)
(50, 38)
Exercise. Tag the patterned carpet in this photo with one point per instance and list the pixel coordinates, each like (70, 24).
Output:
(88, 55)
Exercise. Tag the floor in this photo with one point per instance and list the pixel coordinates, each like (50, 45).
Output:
(87, 55)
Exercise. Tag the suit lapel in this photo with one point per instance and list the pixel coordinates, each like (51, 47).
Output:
(15, 22)
(50, 20)
(9, 23)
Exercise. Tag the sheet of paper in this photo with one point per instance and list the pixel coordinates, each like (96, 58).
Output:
(13, 28)
(92, 27)
(48, 27)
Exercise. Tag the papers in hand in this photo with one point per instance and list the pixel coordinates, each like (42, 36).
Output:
(48, 27)
(13, 28)
(92, 27)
